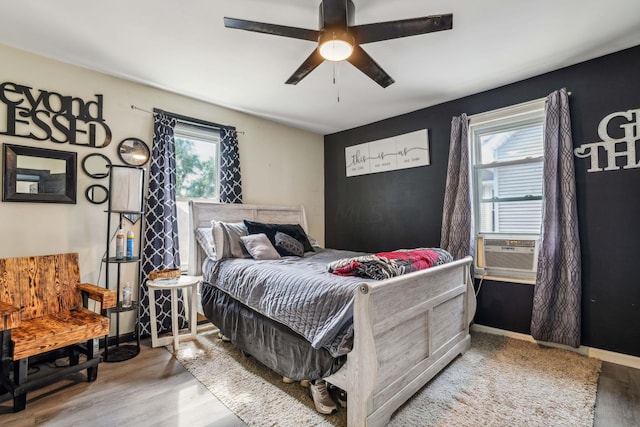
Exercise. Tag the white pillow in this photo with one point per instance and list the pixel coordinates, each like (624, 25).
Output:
(218, 240)
(259, 246)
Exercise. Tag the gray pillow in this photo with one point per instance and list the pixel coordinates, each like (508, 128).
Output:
(259, 246)
(226, 237)
(288, 246)
(313, 241)
(233, 231)
(204, 236)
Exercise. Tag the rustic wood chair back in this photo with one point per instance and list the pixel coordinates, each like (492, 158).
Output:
(40, 285)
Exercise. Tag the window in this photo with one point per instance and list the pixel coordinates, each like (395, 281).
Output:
(507, 175)
(197, 169)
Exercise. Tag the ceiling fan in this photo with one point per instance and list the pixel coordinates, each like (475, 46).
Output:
(338, 39)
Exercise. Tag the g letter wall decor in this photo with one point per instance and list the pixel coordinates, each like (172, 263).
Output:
(405, 151)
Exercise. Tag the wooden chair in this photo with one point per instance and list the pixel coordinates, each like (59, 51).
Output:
(43, 307)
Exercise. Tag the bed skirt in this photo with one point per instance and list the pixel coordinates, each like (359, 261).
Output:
(273, 344)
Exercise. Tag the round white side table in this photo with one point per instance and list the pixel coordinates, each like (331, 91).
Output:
(189, 285)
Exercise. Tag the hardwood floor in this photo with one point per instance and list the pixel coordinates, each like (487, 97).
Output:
(618, 398)
(153, 389)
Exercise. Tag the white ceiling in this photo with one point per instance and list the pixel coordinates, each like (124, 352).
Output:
(183, 46)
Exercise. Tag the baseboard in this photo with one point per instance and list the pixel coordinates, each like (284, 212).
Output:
(605, 355)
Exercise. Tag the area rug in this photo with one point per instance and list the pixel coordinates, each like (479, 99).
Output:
(498, 382)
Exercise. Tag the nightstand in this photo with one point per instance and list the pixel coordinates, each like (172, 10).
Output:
(189, 286)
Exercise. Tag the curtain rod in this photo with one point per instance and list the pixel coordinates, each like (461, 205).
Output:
(184, 118)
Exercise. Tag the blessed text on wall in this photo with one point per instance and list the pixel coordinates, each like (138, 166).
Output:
(405, 151)
(43, 115)
(620, 133)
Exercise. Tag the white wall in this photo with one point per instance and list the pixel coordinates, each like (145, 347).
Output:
(280, 165)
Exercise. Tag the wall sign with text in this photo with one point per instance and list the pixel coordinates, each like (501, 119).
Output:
(405, 151)
(44, 115)
(620, 133)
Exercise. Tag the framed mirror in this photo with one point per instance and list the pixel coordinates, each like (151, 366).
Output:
(97, 194)
(133, 152)
(33, 174)
(96, 165)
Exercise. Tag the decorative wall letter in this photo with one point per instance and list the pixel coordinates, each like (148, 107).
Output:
(623, 147)
(399, 152)
(44, 115)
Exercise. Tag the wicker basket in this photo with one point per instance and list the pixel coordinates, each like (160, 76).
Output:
(165, 274)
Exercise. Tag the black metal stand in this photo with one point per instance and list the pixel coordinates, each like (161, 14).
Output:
(119, 352)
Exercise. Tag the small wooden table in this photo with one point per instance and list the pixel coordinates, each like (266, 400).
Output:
(187, 284)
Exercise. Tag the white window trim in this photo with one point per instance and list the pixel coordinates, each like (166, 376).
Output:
(489, 121)
(533, 108)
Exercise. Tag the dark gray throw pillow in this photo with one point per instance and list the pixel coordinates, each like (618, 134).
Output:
(288, 246)
(294, 230)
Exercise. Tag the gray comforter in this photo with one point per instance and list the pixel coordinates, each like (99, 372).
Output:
(297, 292)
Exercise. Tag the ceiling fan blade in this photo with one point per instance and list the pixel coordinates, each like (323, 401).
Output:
(363, 62)
(277, 30)
(369, 33)
(307, 66)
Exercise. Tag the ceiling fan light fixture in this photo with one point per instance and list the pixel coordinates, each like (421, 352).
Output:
(336, 46)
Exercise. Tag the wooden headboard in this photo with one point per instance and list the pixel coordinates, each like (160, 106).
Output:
(202, 212)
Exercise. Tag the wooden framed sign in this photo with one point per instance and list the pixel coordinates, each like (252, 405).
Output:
(405, 151)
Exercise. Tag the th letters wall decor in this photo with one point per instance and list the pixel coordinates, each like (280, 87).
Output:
(43, 115)
(405, 151)
(624, 146)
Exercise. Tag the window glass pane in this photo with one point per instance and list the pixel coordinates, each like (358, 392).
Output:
(196, 174)
(522, 217)
(520, 180)
(511, 144)
(196, 168)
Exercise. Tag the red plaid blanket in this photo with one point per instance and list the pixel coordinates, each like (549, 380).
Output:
(384, 265)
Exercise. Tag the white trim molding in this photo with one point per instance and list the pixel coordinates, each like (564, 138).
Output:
(604, 355)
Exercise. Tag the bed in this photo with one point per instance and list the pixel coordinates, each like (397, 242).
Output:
(405, 329)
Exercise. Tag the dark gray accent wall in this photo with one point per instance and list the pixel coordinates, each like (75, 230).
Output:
(403, 209)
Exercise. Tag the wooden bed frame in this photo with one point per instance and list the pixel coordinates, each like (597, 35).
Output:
(406, 329)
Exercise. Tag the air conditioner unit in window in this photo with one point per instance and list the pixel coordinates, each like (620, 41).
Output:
(507, 256)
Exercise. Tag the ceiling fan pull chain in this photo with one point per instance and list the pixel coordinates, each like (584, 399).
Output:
(335, 78)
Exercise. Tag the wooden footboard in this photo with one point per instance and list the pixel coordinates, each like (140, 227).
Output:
(406, 330)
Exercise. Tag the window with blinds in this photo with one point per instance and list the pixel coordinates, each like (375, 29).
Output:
(507, 157)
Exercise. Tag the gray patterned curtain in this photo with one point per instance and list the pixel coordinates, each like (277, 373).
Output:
(230, 180)
(456, 235)
(558, 293)
(161, 227)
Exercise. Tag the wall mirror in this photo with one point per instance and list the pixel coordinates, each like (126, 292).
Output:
(38, 175)
(133, 152)
(96, 165)
(97, 194)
